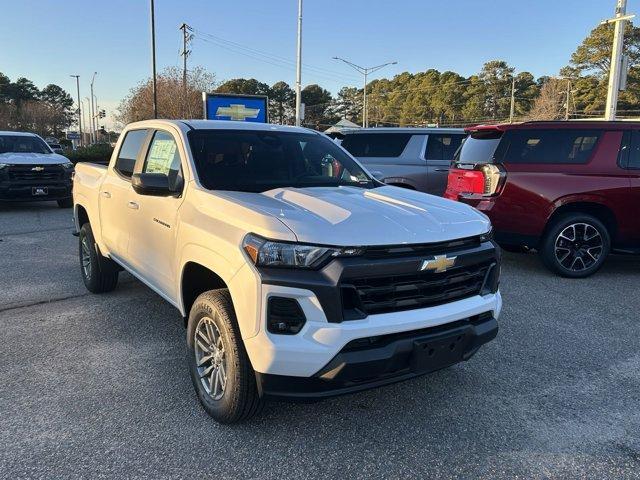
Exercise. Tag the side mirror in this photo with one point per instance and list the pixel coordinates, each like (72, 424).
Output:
(155, 184)
(377, 175)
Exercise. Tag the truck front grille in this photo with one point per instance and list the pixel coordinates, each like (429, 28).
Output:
(384, 294)
(35, 173)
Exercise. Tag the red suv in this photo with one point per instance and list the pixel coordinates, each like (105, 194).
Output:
(571, 189)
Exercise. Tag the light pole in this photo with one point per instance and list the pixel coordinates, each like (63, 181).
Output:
(365, 71)
(615, 68)
(84, 112)
(299, 68)
(93, 130)
(153, 59)
(77, 77)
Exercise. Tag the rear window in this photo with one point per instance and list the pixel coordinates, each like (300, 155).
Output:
(442, 146)
(559, 146)
(376, 144)
(479, 147)
(129, 151)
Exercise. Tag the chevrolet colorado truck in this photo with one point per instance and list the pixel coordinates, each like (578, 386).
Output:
(299, 275)
(31, 171)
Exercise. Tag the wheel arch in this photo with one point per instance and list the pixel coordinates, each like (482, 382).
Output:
(588, 206)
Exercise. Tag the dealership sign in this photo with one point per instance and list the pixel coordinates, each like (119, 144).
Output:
(240, 108)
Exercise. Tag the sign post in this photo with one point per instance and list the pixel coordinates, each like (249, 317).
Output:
(240, 108)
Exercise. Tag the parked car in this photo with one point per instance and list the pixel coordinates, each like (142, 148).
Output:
(299, 275)
(415, 158)
(571, 190)
(57, 148)
(30, 170)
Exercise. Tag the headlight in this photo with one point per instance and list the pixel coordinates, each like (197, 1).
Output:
(268, 253)
(485, 237)
(3, 165)
(67, 165)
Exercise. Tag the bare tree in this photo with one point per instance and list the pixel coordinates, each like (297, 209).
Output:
(551, 103)
(138, 105)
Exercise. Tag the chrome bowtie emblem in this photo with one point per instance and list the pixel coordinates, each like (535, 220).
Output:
(438, 264)
(237, 112)
(37, 169)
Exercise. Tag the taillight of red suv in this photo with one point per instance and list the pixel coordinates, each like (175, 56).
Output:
(484, 179)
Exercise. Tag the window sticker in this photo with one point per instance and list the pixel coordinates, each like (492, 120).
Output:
(161, 156)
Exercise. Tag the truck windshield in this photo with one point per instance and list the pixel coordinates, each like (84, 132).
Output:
(22, 144)
(257, 161)
(479, 147)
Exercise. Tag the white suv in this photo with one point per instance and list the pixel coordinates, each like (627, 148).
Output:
(299, 275)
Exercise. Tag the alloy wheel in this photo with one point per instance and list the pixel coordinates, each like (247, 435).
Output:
(86, 257)
(578, 246)
(211, 361)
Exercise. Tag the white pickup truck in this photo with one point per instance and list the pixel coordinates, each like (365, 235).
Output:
(299, 275)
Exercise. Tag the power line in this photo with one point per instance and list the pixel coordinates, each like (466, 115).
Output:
(266, 57)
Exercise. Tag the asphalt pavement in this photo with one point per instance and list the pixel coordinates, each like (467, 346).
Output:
(97, 386)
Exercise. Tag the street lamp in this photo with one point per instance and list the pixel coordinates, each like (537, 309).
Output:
(365, 71)
(153, 59)
(299, 68)
(77, 77)
(93, 130)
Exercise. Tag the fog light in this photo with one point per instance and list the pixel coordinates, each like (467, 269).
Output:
(284, 316)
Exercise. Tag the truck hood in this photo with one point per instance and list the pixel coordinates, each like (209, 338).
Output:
(13, 158)
(355, 216)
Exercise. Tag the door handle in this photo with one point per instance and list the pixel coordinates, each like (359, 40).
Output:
(133, 205)
(442, 169)
(106, 194)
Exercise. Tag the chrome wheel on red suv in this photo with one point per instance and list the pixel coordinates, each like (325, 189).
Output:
(575, 245)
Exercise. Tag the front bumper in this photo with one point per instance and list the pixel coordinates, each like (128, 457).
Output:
(317, 344)
(381, 360)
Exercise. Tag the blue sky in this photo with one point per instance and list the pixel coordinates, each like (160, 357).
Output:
(46, 40)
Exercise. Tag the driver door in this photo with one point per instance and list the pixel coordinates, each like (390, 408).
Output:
(152, 244)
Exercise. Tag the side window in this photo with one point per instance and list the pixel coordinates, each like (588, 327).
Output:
(634, 151)
(376, 144)
(163, 157)
(561, 146)
(129, 151)
(442, 146)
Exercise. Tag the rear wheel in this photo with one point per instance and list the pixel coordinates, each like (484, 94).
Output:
(99, 273)
(219, 366)
(576, 245)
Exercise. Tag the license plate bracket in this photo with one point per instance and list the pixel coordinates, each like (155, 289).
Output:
(431, 354)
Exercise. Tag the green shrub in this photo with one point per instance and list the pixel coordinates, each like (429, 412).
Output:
(99, 153)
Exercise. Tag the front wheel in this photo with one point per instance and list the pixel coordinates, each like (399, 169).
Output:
(220, 369)
(576, 245)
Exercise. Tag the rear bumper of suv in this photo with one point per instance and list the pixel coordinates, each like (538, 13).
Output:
(381, 360)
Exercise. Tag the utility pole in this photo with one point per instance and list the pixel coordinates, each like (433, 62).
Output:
(93, 130)
(299, 68)
(153, 60)
(77, 77)
(365, 71)
(513, 99)
(185, 53)
(620, 21)
(566, 112)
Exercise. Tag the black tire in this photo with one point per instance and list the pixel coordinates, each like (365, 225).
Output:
(585, 255)
(65, 202)
(99, 273)
(239, 399)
